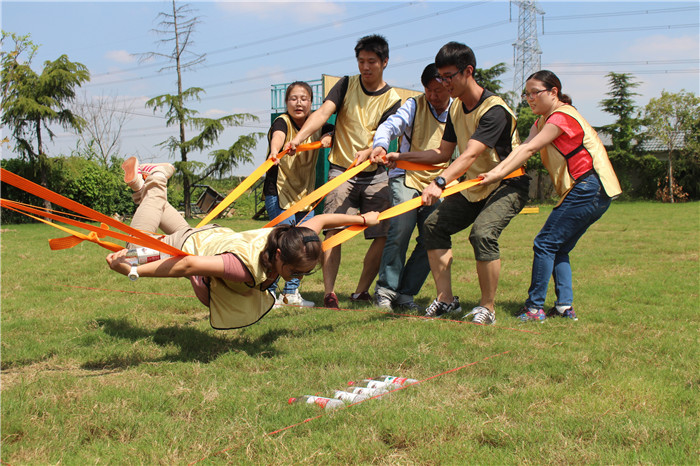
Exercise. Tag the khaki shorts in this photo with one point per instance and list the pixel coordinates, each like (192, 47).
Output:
(353, 198)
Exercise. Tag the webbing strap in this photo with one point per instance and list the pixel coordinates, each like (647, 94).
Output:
(136, 236)
(251, 179)
(315, 197)
(318, 193)
(404, 207)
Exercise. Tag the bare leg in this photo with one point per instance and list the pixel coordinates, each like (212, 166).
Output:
(488, 272)
(331, 265)
(370, 268)
(441, 268)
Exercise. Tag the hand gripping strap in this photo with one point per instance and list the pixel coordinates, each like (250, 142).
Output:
(404, 207)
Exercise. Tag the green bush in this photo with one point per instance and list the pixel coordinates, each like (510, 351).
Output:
(76, 178)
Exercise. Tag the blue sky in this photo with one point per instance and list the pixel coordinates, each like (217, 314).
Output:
(251, 46)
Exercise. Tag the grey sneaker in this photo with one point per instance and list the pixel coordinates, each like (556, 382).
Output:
(482, 315)
(438, 308)
(410, 307)
(382, 302)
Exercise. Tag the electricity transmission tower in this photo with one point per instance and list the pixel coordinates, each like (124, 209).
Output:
(526, 50)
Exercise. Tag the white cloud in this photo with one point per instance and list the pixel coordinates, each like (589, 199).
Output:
(120, 56)
(214, 113)
(664, 46)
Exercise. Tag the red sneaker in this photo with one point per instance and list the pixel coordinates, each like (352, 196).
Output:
(331, 301)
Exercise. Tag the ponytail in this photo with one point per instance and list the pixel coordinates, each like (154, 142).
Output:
(550, 81)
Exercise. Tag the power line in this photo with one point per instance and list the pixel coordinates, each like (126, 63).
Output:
(277, 37)
(622, 13)
(628, 29)
(309, 44)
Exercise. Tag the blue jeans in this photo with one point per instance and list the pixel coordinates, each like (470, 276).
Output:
(396, 279)
(272, 206)
(582, 207)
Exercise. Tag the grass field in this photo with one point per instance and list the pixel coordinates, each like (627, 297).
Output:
(96, 369)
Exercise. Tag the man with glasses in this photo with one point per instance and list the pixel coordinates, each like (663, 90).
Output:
(483, 127)
(362, 103)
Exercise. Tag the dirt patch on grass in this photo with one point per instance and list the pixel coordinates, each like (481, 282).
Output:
(29, 373)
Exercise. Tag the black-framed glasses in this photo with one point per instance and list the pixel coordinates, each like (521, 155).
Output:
(531, 95)
(448, 77)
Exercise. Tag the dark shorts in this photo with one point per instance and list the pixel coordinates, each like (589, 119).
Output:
(351, 198)
(488, 219)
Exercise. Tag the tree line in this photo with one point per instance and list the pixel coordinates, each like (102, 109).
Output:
(33, 102)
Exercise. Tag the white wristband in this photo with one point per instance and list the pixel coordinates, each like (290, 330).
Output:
(133, 274)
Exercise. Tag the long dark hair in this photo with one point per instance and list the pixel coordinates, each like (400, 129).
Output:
(550, 80)
(299, 247)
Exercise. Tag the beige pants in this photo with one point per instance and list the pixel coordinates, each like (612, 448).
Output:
(155, 212)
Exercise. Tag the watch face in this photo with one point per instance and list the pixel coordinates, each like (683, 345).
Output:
(440, 181)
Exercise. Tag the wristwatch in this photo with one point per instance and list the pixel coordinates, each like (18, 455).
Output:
(440, 182)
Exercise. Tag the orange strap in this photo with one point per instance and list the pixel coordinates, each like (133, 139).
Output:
(251, 179)
(133, 235)
(404, 207)
(414, 166)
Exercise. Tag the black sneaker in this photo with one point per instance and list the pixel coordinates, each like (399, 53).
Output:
(438, 308)
(568, 313)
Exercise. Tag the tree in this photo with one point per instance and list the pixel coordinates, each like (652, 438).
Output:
(178, 26)
(625, 130)
(32, 102)
(488, 78)
(673, 119)
(104, 118)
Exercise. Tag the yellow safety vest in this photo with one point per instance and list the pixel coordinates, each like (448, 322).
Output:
(296, 176)
(234, 304)
(426, 134)
(357, 121)
(465, 125)
(558, 169)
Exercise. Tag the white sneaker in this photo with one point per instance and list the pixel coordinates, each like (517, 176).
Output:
(382, 302)
(293, 299)
(482, 315)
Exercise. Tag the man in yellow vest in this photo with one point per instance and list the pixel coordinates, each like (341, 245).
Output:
(362, 103)
(419, 123)
(482, 126)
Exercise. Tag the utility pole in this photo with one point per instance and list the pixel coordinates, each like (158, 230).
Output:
(526, 50)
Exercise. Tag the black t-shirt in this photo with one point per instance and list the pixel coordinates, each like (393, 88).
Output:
(338, 91)
(337, 96)
(494, 131)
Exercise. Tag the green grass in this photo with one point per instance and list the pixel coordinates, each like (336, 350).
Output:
(94, 373)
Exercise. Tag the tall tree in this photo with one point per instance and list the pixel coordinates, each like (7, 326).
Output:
(104, 118)
(177, 27)
(31, 102)
(673, 119)
(626, 128)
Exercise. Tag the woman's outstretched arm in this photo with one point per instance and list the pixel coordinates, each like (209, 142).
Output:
(322, 222)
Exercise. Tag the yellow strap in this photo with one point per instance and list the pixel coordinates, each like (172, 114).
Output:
(250, 180)
(404, 207)
(318, 193)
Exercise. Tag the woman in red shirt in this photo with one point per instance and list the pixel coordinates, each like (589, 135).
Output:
(582, 175)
